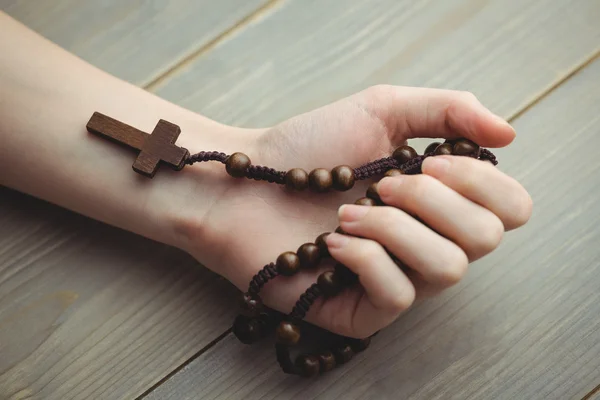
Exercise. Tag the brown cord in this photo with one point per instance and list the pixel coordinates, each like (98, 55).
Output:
(267, 273)
(260, 173)
(207, 156)
(305, 301)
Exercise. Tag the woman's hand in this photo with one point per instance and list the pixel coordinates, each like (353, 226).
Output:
(465, 205)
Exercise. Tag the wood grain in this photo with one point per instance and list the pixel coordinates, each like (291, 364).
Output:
(306, 54)
(134, 40)
(524, 324)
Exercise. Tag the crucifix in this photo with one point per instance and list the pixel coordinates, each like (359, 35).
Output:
(155, 148)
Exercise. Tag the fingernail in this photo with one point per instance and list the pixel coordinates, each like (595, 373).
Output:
(352, 212)
(436, 166)
(336, 241)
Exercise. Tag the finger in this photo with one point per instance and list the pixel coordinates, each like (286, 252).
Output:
(425, 112)
(485, 185)
(437, 259)
(389, 291)
(474, 228)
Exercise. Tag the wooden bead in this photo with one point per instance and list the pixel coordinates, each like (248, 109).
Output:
(431, 148)
(327, 361)
(250, 305)
(343, 178)
(359, 345)
(329, 283)
(465, 147)
(372, 192)
(308, 365)
(320, 180)
(343, 354)
(345, 275)
(287, 263)
(247, 330)
(309, 255)
(443, 150)
(287, 333)
(320, 242)
(236, 165)
(393, 172)
(403, 154)
(340, 231)
(365, 201)
(296, 179)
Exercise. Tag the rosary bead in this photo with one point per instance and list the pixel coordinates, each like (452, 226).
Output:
(359, 345)
(247, 330)
(309, 255)
(465, 147)
(365, 201)
(345, 275)
(343, 354)
(287, 263)
(327, 361)
(308, 365)
(250, 305)
(287, 333)
(403, 154)
(431, 148)
(343, 178)
(372, 192)
(443, 150)
(393, 172)
(236, 165)
(320, 180)
(320, 242)
(329, 283)
(296, 179)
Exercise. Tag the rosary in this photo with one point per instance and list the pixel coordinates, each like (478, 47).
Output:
(255, 320)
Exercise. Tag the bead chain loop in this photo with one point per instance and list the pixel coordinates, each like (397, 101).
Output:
(255, 321)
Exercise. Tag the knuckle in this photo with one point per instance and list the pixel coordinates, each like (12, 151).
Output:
(420, 186)
(370, 251)
(489, 236)
(524, 209)
(455, 268)
(402, 300)
(468, 96)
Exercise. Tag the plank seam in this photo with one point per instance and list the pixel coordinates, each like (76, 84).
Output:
(594, 391)
(260, 13)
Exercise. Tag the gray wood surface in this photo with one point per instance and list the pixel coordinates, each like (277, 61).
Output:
(308, 53)
(88, 311)
(524, 324)
(134, 40)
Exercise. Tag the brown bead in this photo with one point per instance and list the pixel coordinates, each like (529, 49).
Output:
(309, 255)
(329, 283)
(343, 354)
(365, 201)
(359, 345)
(443, 150)
(320, 180)
(320, 242)
(296, 179)
(393, 172)
(403, 154)
(465, 147)
(247, 330)
(287, 333)
(340, 231)
(372, 192)
(236, 165)
(343, 178)
(250, 305)
(431, 148)
(287, 263)
(327, 361)
(308, 365)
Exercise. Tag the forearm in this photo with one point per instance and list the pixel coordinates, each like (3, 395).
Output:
(46, 98)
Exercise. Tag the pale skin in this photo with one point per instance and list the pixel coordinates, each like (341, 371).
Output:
(235, 227)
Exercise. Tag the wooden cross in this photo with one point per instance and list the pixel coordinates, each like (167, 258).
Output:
(157, 147)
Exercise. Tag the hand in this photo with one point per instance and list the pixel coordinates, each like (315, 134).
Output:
(465, 205)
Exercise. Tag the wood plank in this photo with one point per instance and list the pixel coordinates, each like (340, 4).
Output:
(306, 54)
(522, 325)
(134, 40)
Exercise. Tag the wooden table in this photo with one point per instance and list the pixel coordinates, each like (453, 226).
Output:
(91, 312)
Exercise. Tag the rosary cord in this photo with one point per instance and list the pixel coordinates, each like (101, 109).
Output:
(488, 155)
(260, 173)
(305, 301)
(207, 156)
(267, 273)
